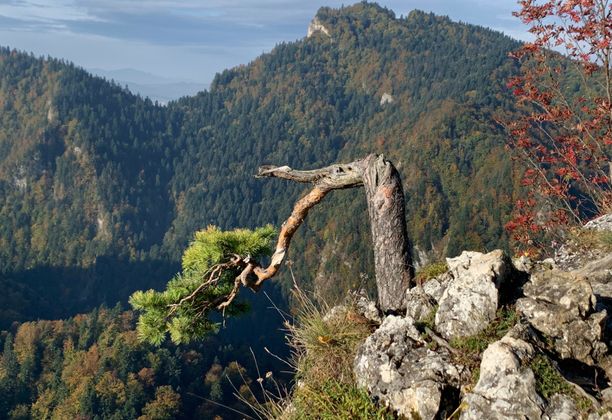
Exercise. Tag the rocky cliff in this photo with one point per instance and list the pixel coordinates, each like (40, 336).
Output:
(495, 338)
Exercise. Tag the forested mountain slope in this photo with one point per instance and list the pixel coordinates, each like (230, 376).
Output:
(84, 166)
(313, 102)
(100, 190)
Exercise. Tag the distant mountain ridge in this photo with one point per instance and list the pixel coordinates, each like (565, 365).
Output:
(104, 188)
(156, 88)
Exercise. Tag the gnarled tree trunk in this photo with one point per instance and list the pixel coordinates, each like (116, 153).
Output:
(385, 198)
(392, 258)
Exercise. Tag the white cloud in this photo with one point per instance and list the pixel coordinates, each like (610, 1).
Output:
(46, 11)
(193, 38)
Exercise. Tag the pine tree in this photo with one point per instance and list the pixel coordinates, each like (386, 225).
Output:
(186, 309)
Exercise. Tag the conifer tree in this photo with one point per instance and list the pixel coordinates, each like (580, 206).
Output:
(217, 264)
(205, 287)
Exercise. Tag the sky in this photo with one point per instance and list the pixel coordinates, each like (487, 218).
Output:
(191, 40)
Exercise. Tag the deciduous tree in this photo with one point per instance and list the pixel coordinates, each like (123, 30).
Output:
(565, 136)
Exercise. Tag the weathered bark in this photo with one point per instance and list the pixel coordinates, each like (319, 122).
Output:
(385, 198)
(392, 260)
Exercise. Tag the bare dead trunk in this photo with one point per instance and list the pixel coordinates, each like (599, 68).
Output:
(392, 260)
(385, 198)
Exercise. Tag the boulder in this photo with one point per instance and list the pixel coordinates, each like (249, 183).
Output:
(562, 306)
(506, 388)
(435, 287)
(606, 397)
(561, 407)
(471, 300)
(599, 272)
(397, 367)
(423, 299)
(601, 223)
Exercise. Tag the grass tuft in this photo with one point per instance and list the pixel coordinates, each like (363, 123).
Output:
(324, 343)
(471, 348)
(550, 382)
(588, 239)
(335, 400)
(324, 346)
(431, 271)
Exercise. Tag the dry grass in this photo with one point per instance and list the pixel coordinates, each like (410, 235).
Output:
(590, 239)
(324, 343)
(431, 271)
(324, 340)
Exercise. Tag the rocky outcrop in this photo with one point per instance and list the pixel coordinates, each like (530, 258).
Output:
(561, 407)
(397, 367)
(562, 306)
(470, 301)
(506, 388)
(386, 98)
(366, 307)
(603, 223)
(572, 255)
(316, 26)
(414, 365)
(419, 304)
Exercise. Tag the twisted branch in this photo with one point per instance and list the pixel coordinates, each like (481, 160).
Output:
(324, 180)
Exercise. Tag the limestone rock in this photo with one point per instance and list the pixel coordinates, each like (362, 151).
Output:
(316, 26)
(561, 407)
(436, 286)
(470, 301)
(367, 308)
(601, 223)
(562, 306)
(571, 255)
(395, 366)
(596, 416)
(506, 387)
(606, 397)
(605, 363)
(419, 305)
(386, 98)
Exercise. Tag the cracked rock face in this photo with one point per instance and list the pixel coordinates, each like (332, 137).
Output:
(562, 306)
(396, 366)
(506, 388)
(421, 301)
(436, 286)
(470, 301)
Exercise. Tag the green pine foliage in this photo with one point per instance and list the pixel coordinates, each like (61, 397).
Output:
(185, 319)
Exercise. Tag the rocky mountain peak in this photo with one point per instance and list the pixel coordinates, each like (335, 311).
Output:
(316, 26)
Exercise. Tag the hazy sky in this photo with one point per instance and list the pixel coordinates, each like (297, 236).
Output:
(193, 39)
